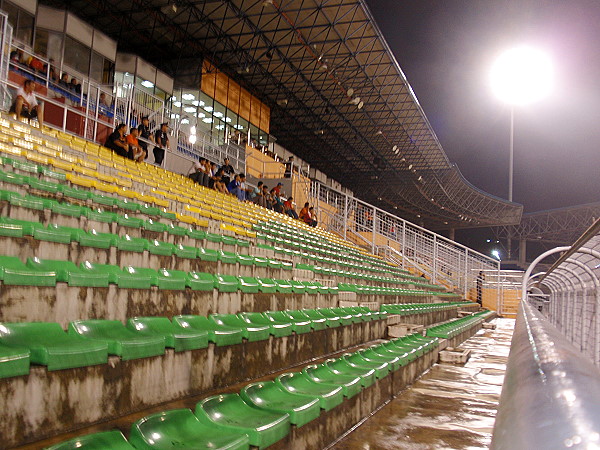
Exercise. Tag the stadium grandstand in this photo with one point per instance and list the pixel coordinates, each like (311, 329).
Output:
(217, 230)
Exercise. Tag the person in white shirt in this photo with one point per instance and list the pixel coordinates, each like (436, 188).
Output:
(26, 105)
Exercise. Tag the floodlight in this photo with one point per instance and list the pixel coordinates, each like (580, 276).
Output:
(522, 75)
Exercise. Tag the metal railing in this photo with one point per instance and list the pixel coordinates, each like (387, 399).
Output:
(571, 291)
(415, 248)
(551, 393)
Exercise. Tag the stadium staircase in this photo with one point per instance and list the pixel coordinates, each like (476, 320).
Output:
(140, 310)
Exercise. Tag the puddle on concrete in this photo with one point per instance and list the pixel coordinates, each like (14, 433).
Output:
(450, 407)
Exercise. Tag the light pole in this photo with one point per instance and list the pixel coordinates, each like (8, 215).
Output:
(520, 76)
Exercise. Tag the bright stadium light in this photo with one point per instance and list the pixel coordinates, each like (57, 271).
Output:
(496, 254)
(519, 77)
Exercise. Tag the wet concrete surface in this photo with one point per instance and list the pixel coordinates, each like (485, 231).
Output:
(450, 407)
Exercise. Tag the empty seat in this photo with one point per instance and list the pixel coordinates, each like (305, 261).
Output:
(113, 440)
(331, 319)
(230, 411)
(340, 366)
(350, 384)
(299, 383)
(270, 396)
(381, 368)
(68, 272)
(121, 341)
(298, 325)
(175, 336)
(219, 334)
(277, 329)
(252, 332)
(14, 272)
(179, 428)
(14, 361)
(117, 276)
(50, 346)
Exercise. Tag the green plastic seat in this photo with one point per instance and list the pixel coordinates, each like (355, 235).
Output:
(14, 272)
(151, 225)
(345, 315)
(350, 384)
(196, 234)
(148, 210)
(406, 353)
(179, 428)
(310, 288)
(121, 341)
(227, 257)
(98, 240)
(161, 248)
(65, 209)
(283, 286)
(331, 320)
(355, 359)
(127, 205)
(274, 264)
(49, 173)
(176, 230)
(299, 326)
(228, 240)
(277, 329)
(186, 251)
(207, 254)
(200, 281)
(68, 272)
(267, 285)
(245, 260)
(370, 354)
(167, 215)
(12, 178)
(175, 336)
(242, 243)
(248, 285)
(175, 280)
(260, 262)
(340, 366)
(298, 383)
(31, 202)
(117, 276)
(14, 361)
(104, 200)
(270, 396)
(57, 233)
(113, 440)
(226, 283)
(50, 346)
(249, 331)
(46, 186)
(263, 428)
(219, 334)
(316, 322)
(132, 244)
(131, 222)
(212, 237)
(297, 287)
(97, 215)
(18, 228)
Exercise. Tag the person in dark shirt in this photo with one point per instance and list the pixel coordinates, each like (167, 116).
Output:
(75, 86)
(116, 142)
(144, 133)
(161, 139)
(228, 171)
(64, 81)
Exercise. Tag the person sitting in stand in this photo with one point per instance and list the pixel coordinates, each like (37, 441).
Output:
(304, 215)
(36, 64)
(26, 105)
(117, 143)
(267, 196)
(215, 178)
(288, 208)
(313, 216)
(104, 107)
(245, 189)
(138, 153)
(219, 186)
(255, 195)
(64, 81)
(234, 188)
(75, 86)
(277, 202)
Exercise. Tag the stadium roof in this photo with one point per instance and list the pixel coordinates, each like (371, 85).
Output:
(338, 96)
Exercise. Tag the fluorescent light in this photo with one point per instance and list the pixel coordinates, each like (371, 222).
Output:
(190, 109)
(196, 103)
(228, 119)
(218, 114)
(185, 121)
(208, 108)
(177, 104)
(207, 120)
(147, 84)
(188, 96)
(200, 115)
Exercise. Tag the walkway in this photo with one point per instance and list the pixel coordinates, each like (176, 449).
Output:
(450, 407)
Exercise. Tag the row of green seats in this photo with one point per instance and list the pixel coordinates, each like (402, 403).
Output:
(383, 290)
(262, 412)
(454, 327)
(88, 342)
(405, 309)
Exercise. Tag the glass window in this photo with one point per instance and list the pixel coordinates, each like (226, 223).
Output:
(40, 45)
(97, 67)
(253, 135)
(77, 55)
(108, 74)
(21, 21)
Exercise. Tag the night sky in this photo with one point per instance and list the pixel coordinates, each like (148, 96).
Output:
(446, 49)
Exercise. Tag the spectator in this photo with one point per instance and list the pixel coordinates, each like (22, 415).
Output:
(245, 189)
(36, 65)
(304, 214)
(277, 189)
(64, 81)
(26, 105)
(268, 198)
(313, 216)
(219, 186)
(198, 174)
(75, 86)
(117, 143)
(289, 167)
(52, 72)
(137, 152)
(234, 187)
(276, 200)
(161, 140)
(288, 208)
(15, 56)
(144, 133)
(228, 171)
(103, 105)
(256, 195)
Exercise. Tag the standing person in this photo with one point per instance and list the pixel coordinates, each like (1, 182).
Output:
(144, 133)
(288, 167)
(228, 171)
(161, 139)
(26, 105)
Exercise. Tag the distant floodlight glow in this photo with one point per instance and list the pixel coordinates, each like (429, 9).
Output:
(496, 254)
(522, 75)
(192, 139)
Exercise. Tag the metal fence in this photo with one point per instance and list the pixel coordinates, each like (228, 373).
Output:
(568, 293)
(412, 247)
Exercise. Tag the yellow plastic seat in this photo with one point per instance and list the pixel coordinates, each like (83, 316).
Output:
(60, 164)
(87, 163)
(104, 187)
(19, 142)
(104, 177)
(53, 145)
(37, 158)
(80, 181)
(33, 139)
(10, 149)
(45, 150)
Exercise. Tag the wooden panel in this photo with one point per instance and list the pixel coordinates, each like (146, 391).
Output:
(221, 88)
(209, 79)
(265, 117)
(245, 104)
(233, 97)
(255, 111)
